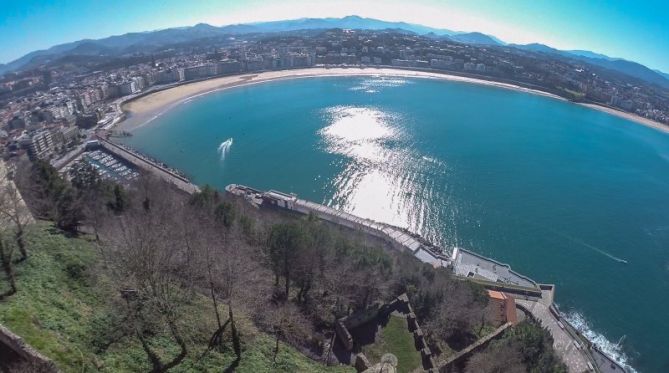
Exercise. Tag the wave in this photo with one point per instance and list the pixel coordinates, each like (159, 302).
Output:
(613, 350)
(373, 85)
(224, 148)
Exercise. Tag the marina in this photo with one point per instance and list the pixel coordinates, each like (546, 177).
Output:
(106, 165)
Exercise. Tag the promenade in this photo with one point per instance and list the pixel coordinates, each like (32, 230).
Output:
(572, 352)
(397, 237)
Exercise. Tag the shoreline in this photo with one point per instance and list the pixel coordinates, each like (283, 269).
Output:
(144, 109)
(629, 116)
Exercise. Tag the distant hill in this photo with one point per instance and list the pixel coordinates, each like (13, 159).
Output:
(590, 54)
(202, 30)
(151, 40)
(475, 38)
(536, 47)
(350, 22)
(663, 74)
(630, 68)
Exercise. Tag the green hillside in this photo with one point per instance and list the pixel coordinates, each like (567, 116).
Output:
(62, 309)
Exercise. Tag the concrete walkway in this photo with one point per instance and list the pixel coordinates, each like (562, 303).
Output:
(573, 355)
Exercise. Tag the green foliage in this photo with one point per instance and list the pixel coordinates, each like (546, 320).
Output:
(52, 197)
(84, 176)
(527, 347)
(285, 243)
(396, 339)
(225, 214)
(119, 201)
(208, 200)
(45, 187)
(63, 310)
(47, 179)
(536, 347)
(68, 214)
(248, 227)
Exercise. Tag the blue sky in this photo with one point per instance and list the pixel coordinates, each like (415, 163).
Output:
(635, 30)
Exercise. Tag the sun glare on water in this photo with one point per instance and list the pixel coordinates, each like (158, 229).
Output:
(377, 179)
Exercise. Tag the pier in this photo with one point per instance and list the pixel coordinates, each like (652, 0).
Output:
(150, 166)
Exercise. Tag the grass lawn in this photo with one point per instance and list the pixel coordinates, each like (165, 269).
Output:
(396, 339)
(62, 310)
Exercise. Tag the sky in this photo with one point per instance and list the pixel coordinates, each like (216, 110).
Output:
(634, 30)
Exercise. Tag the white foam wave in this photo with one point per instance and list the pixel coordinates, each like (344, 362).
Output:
(224, 148)
(613, 350)
(373, 85)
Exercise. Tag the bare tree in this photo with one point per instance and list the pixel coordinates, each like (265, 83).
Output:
(92, 194)
(13, 211)
(503, 358)
(146, 257)
(287, 324)
(6, 253)
(233, 274)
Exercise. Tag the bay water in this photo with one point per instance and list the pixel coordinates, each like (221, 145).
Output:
(563, 193)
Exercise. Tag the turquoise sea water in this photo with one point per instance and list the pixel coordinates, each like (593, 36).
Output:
(561, 192)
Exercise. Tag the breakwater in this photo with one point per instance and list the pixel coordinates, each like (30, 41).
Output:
(148, 165)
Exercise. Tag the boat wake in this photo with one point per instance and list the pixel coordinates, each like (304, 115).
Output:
(224, 148)
(613, 350)
(591, 247)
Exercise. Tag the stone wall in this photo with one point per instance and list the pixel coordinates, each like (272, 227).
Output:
(28, 355)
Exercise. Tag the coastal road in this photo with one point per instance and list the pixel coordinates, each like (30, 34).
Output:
(574, 356)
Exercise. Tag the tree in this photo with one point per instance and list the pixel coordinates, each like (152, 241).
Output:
(536, 347)
(49, 195)
(6, 253)
(84, 176)
(287, 323)
(496, 359)
(119, 201)
(309, 265)
(232, 274)
(458, 316)
(41, 187)
(146, 257)
(363, 272)
(286, 243)
(69, 212)
(13, 210)
(96, 196)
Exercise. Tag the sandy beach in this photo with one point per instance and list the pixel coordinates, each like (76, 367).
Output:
(147, 108)
(632, 117)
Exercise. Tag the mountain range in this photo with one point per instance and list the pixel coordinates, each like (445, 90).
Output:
(152, 40)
